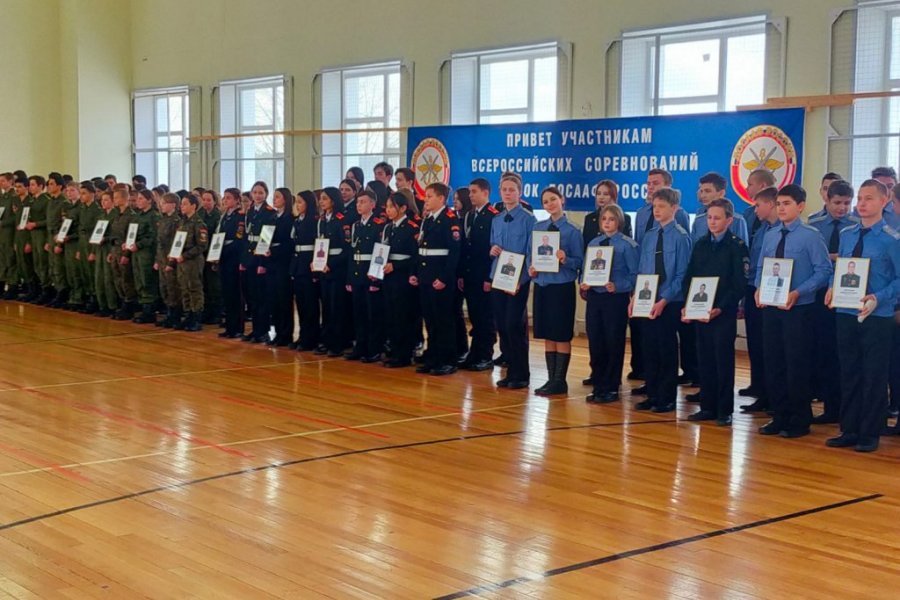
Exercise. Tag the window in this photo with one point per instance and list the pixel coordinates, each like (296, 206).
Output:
(509, 85)
(360, 98)
(707, 67)
(160, 130)
(251, 123)
(865, 58)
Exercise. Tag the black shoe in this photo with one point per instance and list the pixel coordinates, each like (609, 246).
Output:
(771, 428)
(541, 390)
(664, 408)
(702, 415)
(517, 384)
(641, 390)
(371, 359)
(867, 444)
(259, 339)
(424, 369)
(750, 392)
(825, 419)
(685, 380)
(500, 361)
(502, 383)
(462, 360)
(554, 388)
(224, 334)
(587, 381)
(695, 397)
(794, 432)
(893, 413)
(334, 353)
(645, 405)
(598, 397)
(320, 351)
(443, 370)
(845, 440)
(483, 365)
(724, 421)
(758, 406)
(633, 376)
(396, 363)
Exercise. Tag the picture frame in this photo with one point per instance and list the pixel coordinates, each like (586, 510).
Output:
(544, 246)
(775, 283)
(700, 298)
(597, 265)
(320, 254)
(216, 244)
(178, 245)
(645, 290)
(265, 240)
(23, 219)
(131, 235)
(851, 279)
(99, 231)
(63, 230)
(380, 256)
(508, 272)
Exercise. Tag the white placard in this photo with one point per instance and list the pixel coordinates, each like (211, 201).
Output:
(23, 221)
(131, 236)
(775, 283)
(544, 245)
(99, 231)
(265, 240)
(178, 244)
(644, 295)
(380, 254)
(508, 272)
(2, 211)
(215, 247)
(851, 278)
(700, 298)
(320, 256)
(64, 230)
(597, 265)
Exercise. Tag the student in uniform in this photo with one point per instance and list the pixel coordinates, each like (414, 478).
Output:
(55, 259)
(30, 288)
(69, 248)
(381, 192)
(787, 331)
(357, 175)
(365, 293)
(212, 282)
(305, 286)
(37, 226)
(400, 233)
(169, 291)
(277, 262)
(335, 336)
(143, 256)
(827, 180)
(758, 180)
(234, 247)
(9, 276)
(555, 293)
(511, 231)
(766, 217)
(348, 189)
(605, 193)
(190, 264)
(475, 276)
(406, 179)
(384, 172)
(723, 254)
(462, 205)
(826, 381)
(104, 274)
(892, 218)
(665, 251)
(121, 263)
(86, 257)
(712, 187)
(606, 315)
(864, 348)
(261, 214)
(435, 276)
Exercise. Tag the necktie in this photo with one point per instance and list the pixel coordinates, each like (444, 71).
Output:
(660, 258)
(508, 218)
(779, 250)
(834, 241)
(605, 242)
(858, 248)
(552, 227)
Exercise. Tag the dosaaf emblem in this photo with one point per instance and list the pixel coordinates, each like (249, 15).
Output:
(431, 164)
(763, 147)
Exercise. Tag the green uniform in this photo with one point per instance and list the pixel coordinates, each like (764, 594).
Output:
(56, 259)
(39, 238)
(104, 277)
(190, 272)
(142, 259)
(8, 272)
(71, 268)
(212, 283)
(88, 216)
(122, 273)
(22, 242)
(168, 280)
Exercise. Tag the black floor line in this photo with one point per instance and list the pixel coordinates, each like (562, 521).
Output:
(493, 587)
(300, 461)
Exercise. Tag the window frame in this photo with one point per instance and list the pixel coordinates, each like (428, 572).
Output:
(182, 92)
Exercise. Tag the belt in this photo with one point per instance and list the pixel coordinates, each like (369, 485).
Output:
(362, 257)
(335, 251)
(253, 238)
(275, 245)
(308, 248)
(399, 257)
(440, 252)
(229, 242)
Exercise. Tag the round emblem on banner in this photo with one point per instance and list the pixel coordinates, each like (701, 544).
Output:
(763, 147)
(431, 164)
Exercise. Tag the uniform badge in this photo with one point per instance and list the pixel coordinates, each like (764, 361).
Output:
(203, 235)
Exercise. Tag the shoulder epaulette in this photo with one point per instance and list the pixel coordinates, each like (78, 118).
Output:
(817, 218)
(891, 232)
(378, 221)
(267, 207)
(680, 229)
(412, 224)
(451, 213)
(631, 241)
(492, 210)
(851, 227)
(339, 216)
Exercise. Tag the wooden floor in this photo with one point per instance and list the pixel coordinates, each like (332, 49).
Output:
(136, 462)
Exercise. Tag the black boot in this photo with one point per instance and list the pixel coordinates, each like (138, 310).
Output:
(162, 322)
(557, 384)
(59, 299)
(180, 319)
(147, 315)
(11, 293)
(551, 368)
(46, 297)
(193, 322)
(90, 307)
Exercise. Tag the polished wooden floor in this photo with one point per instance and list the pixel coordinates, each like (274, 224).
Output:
(136, 462)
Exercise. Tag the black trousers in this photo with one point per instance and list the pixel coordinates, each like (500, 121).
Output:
(334, 309)
(368, 320)
(282, 303)
(459, 324)
(788, 340)
(606, 319)
(232, 296)
(755, 350)
(259, 286)
(865, 354)
(511, 315)
(401, 307)
(437, 307)
(637, 347)
(661, 354)
(687, 350)
(895, 367)
(715, 350)
(484, 332)
(306, 297)
(826, 372)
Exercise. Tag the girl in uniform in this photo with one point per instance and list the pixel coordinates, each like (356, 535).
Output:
(331, 225)
(401, 298)
(305, 286)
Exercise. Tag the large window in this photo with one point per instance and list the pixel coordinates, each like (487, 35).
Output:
(160, 131)
(706, 67)
(360, 98)
(509, 85)
(251, 125)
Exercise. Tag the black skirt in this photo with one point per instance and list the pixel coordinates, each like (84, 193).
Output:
(554, 311)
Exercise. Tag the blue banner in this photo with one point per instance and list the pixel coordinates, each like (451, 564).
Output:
(576, 155)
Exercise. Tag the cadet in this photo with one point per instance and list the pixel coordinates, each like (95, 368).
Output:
(757, 181)
(55, 258)
(827, 180)
(233, 249)
(712, 187)
(605, 193)
(121, 256)
(555, 293)
(212, 282)
(278, 269)
(72, 210)
(475, 275)
(9, 276)
(864, 334)
(143, 257)
(435, 275)
(665, 251)
(169, 291)
(306, 289)
(826, 381)
(335, 336)
(787, 331)
(606, 317)
(31, 290)
(400, 296)
(259, 215)
(720, 253)
(365, 294)
(37, 226)
(105, 279)
(190, 264)
(86, 257)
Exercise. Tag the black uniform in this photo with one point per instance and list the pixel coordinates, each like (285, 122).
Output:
(729, 260)
(260, 301)
(366, 296)
(439, 246)
(233, 250)
(305, 282)
(475, 270)
(278, 272)
(591, 228)
(401, 298)
(335, 332)
(212, 281)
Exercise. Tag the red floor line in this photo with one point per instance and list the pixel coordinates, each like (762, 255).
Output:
(37, 461)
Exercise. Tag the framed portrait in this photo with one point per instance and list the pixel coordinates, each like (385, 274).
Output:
(320, 254)
(544, 246)
(851, 278)
(380, 255)
(265, 240)
(64, 230)
(23, 220)
(645, 291)
(597, 265)
(775, 283)
(700, 297)
(99, 231)
(508, 272)
(131, 236)
(178, 244)
(215, 247)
